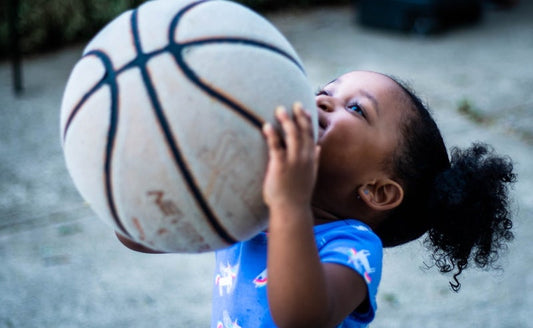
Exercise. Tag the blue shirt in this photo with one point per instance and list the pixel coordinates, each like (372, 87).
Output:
(239, 293)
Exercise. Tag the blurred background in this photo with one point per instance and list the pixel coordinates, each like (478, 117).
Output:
(61, 267)
(46, 25)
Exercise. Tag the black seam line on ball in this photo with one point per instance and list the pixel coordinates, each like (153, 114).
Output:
(77, 107)
(110, 79)
(244, 41)
(171, 140)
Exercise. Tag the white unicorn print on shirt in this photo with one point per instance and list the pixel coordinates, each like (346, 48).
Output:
(225, 279)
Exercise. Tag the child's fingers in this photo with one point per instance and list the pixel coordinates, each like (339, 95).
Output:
(305, 126)
(303, 119)
(273, 140)
(290, 129)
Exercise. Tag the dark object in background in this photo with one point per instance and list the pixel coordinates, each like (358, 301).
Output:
(418, 16)
(14, 44)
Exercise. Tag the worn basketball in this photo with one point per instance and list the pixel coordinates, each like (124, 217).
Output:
(161, 121)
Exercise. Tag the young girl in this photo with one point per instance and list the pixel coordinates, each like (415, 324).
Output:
(379, 176)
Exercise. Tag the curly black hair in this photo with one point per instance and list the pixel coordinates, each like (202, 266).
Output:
(461, 203)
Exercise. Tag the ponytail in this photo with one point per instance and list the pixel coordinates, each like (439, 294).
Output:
(469, 205)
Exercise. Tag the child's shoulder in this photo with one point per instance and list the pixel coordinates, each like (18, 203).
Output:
(343, 225)
(348, 230)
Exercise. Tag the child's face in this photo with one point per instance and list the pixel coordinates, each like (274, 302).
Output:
(359, 118)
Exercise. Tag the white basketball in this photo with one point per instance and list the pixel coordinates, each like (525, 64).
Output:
(161, 121)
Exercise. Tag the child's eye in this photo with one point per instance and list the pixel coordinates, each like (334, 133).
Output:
(356, 109)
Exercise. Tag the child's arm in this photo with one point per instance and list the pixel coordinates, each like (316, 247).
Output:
(302, 291)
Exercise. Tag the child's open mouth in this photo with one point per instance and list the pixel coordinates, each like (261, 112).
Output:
(322, 124)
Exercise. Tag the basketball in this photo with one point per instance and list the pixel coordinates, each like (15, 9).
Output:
(161, 121)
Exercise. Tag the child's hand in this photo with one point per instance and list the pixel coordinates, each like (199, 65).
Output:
(293, 162)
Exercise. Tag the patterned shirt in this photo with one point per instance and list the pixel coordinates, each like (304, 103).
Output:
(239, 293)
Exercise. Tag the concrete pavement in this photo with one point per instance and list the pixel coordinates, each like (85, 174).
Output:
(61, 267)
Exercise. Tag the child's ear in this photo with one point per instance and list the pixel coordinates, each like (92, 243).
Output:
(381, 195)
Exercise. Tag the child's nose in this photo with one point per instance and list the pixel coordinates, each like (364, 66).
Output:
(324, 103)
